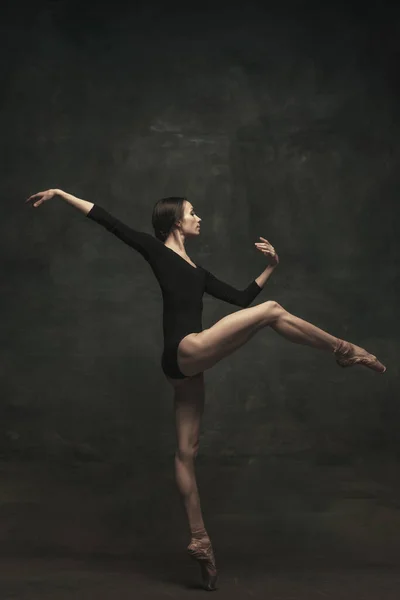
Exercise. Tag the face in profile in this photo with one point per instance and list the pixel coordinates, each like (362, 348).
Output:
(190, 222)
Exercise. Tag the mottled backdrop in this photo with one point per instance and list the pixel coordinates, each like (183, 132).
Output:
(279, 121)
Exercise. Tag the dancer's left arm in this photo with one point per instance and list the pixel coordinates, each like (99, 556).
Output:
(223, 291)
(265, 275)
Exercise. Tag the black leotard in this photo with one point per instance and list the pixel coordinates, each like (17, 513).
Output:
(182, 286)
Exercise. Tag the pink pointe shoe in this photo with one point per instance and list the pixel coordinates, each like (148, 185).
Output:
(348, 354)
(201, 551)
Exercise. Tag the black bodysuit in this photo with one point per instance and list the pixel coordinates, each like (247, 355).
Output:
(182, 286)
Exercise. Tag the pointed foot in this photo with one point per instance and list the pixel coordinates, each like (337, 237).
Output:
(201, 551)
(348, 354)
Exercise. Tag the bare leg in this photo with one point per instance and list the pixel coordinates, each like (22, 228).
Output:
(200, 351)
(189, 407)
(302, 332)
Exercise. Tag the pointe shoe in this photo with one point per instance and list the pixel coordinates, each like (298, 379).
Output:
(201, 551)
(347, 357)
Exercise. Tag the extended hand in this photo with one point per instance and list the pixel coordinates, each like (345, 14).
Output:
(266, 248)
(40, 197)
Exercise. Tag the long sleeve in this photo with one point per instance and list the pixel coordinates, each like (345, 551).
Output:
(143, 242)
(223, 291)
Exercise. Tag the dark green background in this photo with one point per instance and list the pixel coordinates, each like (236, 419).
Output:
(280, 122)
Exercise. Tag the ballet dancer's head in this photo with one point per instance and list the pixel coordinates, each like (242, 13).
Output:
(173, 216)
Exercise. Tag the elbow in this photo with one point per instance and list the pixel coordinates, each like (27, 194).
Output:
(246, 302)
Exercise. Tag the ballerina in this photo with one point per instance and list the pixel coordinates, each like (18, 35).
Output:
(189, 350)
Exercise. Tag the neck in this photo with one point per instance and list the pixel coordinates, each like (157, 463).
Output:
(176, 241)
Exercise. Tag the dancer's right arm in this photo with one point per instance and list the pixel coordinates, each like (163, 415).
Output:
(40, 197)
(142, 242)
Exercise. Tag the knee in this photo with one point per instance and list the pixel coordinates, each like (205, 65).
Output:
(273, 310)
(187, 454)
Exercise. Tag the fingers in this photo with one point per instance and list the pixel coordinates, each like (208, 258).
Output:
(265, 241)
(33, 197)
(267, 249)
(264, 250)
(38, 197)
(265, 245)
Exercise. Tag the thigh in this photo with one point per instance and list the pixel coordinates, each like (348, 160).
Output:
(189, 398)
(200, 351)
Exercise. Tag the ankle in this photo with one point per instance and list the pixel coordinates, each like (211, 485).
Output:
(199, 533)
(338, 345)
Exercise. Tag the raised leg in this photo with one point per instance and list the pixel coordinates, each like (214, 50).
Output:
(200, 351)
(302, 332)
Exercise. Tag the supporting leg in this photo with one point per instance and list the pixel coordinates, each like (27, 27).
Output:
(189, 406)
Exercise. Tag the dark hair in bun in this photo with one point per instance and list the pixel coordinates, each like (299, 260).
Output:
(166, 213)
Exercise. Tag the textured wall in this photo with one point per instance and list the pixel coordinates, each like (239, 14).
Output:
(282, 123)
